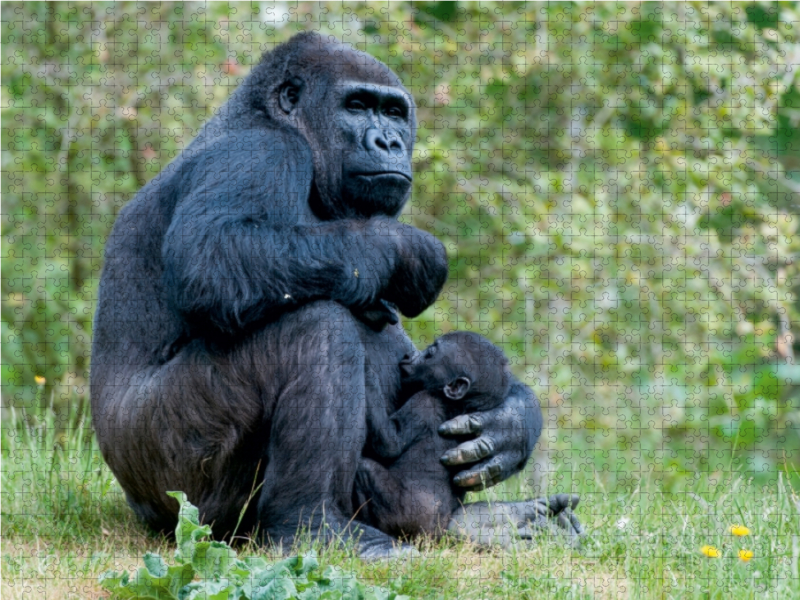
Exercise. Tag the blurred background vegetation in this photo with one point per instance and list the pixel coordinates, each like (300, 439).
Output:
(613, 183)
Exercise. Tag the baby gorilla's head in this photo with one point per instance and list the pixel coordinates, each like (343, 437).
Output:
(460, 366)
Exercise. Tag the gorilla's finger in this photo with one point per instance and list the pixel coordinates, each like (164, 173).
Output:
(549, 515)
(482, 477)
(462, 425)
(469, 452)
(391, 310)
(558, 502)
(568, 521)
(377, 315)
(532, 510)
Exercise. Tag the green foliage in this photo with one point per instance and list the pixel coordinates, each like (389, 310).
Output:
(223, 576)
(608, 179)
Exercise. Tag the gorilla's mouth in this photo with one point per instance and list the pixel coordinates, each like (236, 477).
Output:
(383, 173)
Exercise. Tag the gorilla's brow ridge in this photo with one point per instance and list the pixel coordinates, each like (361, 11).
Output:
(376, 88)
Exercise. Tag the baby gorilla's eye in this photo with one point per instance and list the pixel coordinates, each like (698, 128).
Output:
(430, 351)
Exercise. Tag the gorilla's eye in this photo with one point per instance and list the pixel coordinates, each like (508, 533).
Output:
(395, 111)
(430, 351)
(355, 104)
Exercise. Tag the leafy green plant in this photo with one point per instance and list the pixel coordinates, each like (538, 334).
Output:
(212, 571)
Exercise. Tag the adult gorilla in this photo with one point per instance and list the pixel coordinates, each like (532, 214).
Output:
(244, 332)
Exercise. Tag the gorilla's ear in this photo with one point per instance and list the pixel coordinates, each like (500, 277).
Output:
(290, 93)
(457, 389)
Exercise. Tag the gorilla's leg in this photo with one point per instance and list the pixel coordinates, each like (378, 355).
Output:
(191, 425)
(282, 413)
(318, 428)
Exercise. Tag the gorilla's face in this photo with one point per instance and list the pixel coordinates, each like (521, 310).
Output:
(361, 135)
(373, 130)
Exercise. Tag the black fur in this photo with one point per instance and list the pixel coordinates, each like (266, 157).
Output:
(403, 492)
(241, 333)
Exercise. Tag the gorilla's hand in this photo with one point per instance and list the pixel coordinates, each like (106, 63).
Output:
(377, 315)
(505, 440)
(504, 522)
(421, 268)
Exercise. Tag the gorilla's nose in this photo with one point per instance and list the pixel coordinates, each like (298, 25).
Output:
(382, 143)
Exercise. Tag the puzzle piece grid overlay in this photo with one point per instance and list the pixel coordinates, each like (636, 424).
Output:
(616, 188)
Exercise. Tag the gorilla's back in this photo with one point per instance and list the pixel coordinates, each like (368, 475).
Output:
(133, 322)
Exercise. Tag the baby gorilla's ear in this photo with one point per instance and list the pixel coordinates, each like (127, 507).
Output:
(457, 389)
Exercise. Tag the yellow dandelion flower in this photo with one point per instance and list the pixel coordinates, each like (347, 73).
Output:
(739, 530)
(745, 555)
(40, 380)
(710, 551)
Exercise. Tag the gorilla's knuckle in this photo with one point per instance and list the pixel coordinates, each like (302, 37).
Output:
(487, 446)
(475, 423)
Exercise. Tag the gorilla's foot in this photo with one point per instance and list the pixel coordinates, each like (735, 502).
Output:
(383, 551)
(371, 543)
(503, 523)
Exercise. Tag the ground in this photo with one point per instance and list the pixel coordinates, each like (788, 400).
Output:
(65, 521)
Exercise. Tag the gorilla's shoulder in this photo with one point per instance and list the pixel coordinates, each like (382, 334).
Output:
(261, 140)
(237, 153)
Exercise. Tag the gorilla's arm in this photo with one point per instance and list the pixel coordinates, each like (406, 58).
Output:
(506, 437)
(243, 244)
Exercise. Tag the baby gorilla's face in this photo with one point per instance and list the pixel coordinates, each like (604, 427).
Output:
(460, 365)
(441, 369)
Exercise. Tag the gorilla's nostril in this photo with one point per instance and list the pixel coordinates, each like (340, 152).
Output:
(381, 141)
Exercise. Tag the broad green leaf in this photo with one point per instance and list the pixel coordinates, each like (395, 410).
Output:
(279, 588)
(189, 531)
(261, 578)
(210, 590)
(242, 569)
(301, 565)
(336, 580)
(154, 581)
(224, 577)
(213, 559)
(117, 584)
(155, 565)
(254, 563)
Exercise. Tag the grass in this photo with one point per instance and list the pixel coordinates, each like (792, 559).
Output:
(65, 521)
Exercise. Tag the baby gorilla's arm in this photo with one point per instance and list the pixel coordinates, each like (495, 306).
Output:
(391, 435)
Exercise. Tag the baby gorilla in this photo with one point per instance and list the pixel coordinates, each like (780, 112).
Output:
(459, 373)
